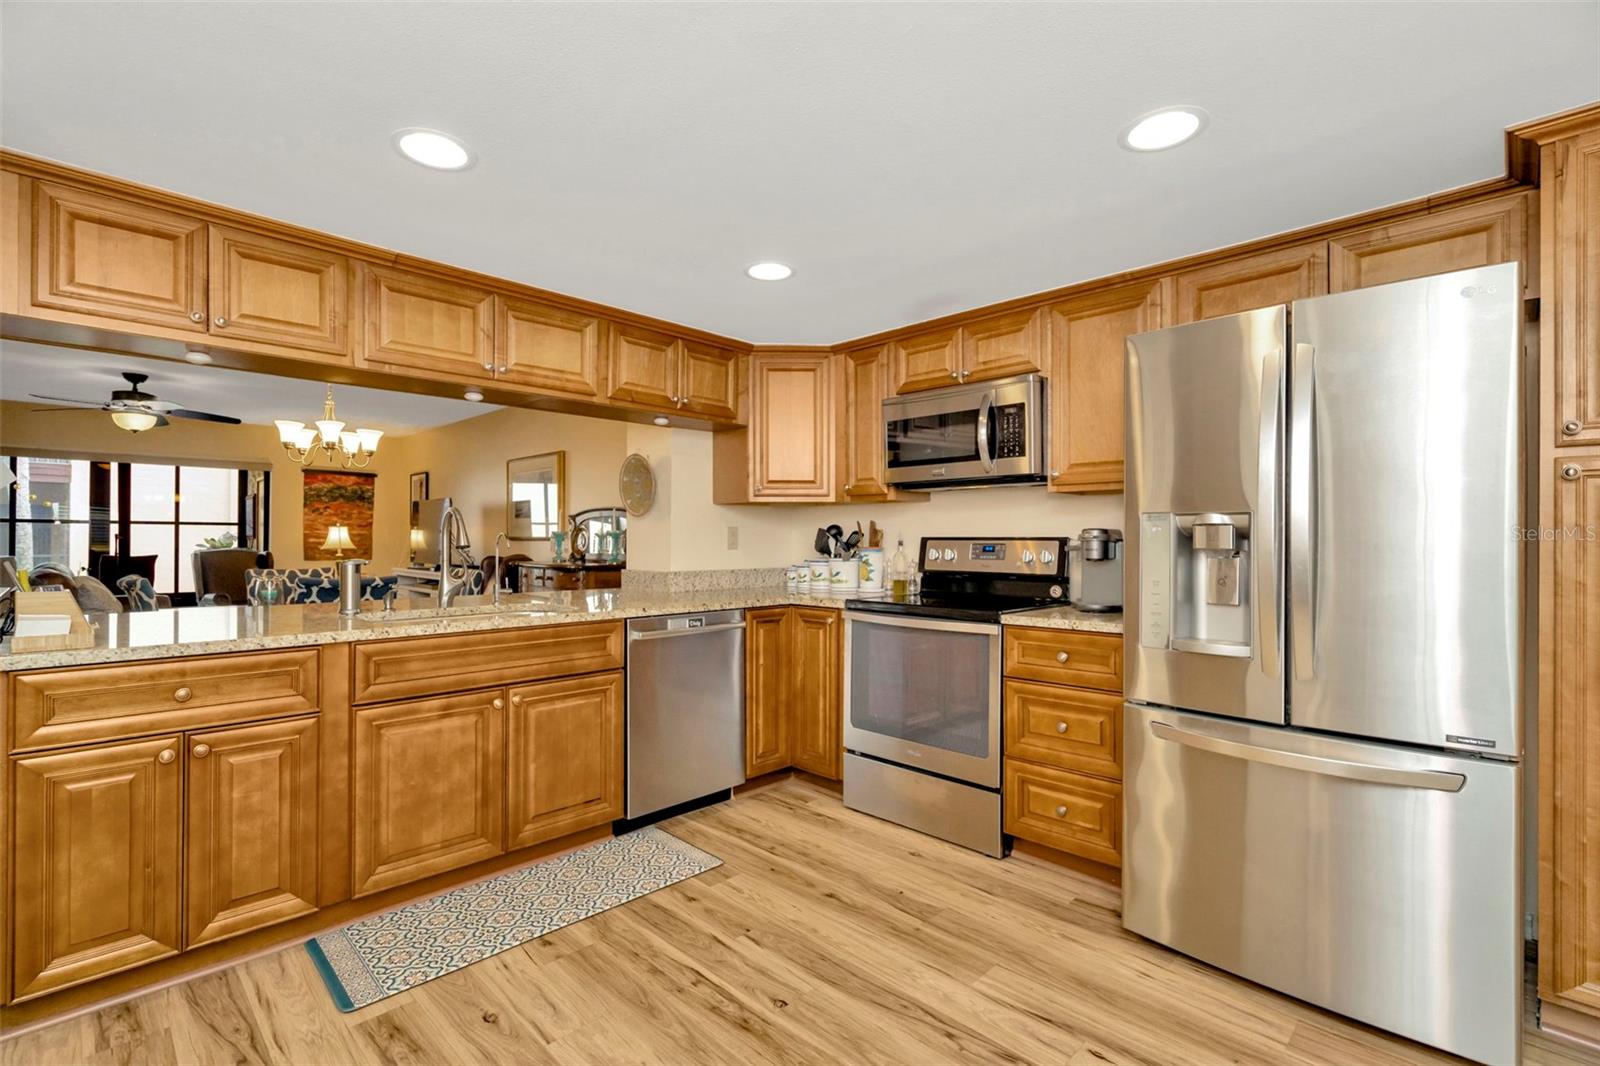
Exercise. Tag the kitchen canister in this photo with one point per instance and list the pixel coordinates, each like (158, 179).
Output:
(792, 576)
(871, 568)
(843, 574)
(817, 576)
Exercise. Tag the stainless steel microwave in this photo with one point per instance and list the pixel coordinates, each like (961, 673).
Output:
(990, 432)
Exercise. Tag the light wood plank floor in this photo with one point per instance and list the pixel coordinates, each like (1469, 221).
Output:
(825, 937)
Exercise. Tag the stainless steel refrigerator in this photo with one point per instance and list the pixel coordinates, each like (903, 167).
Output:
(1323, 652)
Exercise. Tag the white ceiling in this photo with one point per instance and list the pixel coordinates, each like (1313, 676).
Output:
(908, 160)
(26, 369)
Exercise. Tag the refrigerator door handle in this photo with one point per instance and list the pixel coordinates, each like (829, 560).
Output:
(1436, 780)
(1302, 552)
(1269, 591)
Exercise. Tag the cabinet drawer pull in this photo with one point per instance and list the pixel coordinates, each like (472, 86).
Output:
(197, 316)
(1062, 656)
(1054, 474)
(1061, 812)
(1571, 426)
(498, 703)
(184, 694)
(166, 756)
(200, 751)
(1061, 727)
(1570, 472)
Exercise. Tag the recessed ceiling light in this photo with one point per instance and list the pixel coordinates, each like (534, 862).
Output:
(198, 358)
(472, 395)
(769, 271)
(1167, 128)
(432, 149)
(662, 420)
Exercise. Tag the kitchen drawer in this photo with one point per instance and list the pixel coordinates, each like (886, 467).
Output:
(1068, 728)
(1065, 657)
(56, 707)
(431, 666)
(1067, 811)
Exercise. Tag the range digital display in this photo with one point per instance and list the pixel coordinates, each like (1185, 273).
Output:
(988, 551)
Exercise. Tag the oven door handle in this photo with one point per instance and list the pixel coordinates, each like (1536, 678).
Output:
(986, 431)
(875, 618)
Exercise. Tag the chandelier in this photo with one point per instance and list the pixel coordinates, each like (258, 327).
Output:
(328, 440)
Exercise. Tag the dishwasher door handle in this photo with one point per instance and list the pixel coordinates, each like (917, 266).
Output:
(663, 634)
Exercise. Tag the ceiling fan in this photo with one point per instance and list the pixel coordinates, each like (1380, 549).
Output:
(134, 409)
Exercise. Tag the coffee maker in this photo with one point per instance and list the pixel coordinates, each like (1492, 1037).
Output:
(1094, 570)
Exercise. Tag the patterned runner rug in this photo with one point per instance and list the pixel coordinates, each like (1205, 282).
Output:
(376, 957)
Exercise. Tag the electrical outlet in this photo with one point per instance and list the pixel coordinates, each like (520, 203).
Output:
(733, 538)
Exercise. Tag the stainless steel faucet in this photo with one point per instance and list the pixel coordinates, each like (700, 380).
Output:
(497, 577)
(453, 540)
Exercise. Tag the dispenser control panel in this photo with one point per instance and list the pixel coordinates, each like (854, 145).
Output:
(1155, 580)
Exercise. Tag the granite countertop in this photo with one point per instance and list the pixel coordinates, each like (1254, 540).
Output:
(186, 631)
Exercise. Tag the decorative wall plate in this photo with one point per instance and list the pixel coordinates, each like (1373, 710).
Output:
(637, 483)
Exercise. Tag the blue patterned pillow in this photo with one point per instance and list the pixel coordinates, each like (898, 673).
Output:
(140, 592)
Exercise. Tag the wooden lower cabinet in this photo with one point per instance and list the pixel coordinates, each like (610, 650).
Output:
(429, 787)
(766, 715)
(251, 854)
(564, 768)
(816, 700)
(98, 845)
(1071, 812)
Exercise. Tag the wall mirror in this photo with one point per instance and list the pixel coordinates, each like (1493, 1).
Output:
(536, 496)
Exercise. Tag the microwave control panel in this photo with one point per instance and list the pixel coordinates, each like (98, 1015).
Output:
(1011, 434)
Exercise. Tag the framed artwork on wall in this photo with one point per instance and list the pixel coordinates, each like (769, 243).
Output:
(337, 498)
(536, 496)
(419, 492)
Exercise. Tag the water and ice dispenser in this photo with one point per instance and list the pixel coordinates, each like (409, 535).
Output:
(1194, 580)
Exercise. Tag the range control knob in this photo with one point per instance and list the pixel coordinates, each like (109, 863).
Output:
(1027, 556)
(933, 555)
(949, 555)
(1047, 556)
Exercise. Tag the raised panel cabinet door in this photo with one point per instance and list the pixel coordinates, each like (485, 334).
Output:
(816, 670)
(1456, 239)
(1002, 345)
(866, 380)
(277, 292)
(1262, 280)
(1569, 244)
(563, 757)
(251, 856)
(642, 366)
(791, 420)
(708, 380)
(1069, 728)
(427, 323)
(547, 347)
(97, 842)
(97, 255)
(429, 788)
(1569, 738)
(925, 361)
(1064, 810)
(767, 686)
(1088, 345)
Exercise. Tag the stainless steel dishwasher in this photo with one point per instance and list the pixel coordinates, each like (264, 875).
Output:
(685, 708)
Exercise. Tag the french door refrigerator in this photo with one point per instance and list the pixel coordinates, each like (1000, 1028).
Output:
(1323, 652)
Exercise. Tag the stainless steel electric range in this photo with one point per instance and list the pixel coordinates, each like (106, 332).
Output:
(922, 685)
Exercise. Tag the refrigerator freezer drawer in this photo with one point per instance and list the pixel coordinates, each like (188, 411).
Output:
(1380, 882)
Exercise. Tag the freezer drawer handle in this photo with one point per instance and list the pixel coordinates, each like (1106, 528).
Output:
(663, 634)
(1437, 780)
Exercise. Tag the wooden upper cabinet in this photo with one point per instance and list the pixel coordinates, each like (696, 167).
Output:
(643, 366)
(1003, 345)
(866, 381)
(264, 289)
(708, 380)
(564, 767)
(426, 323)
(97, 255)
(1455, 239)
(1088, 336)
(767, 683)
(97, 839)
(816, 672)
(547, 347)
(1275, 277)
(251, 859)
(925, 361)
(428, 788)
(791, 424)
(1569, 247)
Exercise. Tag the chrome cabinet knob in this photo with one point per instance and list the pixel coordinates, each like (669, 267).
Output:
(1061, 812)
(1054, 474)
(183, 695)
(956, 374)
(200, 751)
(1061, 727)
(1570, 472)
(1571, 426)
(197, 316)
(219, 320)
(1062, 656)
(166, 756)
(516, 701)
(489, 365)
(498, 703)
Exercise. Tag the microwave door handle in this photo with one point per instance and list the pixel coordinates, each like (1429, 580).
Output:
(985, 430)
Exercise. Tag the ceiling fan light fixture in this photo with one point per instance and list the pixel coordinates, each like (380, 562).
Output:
(136, 421)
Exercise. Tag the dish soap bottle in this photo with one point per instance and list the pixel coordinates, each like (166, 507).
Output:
(900, 572)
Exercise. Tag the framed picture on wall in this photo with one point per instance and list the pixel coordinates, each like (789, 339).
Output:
(419, 492)
(337, 498)
(536, 496)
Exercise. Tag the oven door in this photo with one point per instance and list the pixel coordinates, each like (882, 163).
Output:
(924, 693)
